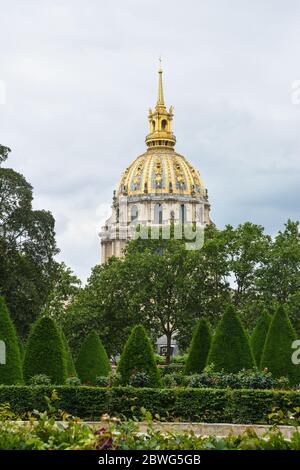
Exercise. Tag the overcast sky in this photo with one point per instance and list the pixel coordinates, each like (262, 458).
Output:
(81, 75)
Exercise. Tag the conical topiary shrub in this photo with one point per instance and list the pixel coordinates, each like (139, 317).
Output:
(92, 360)
(45, 352)
(277, 352)
(138, 357)
(259, 335)
(10, 364)
(199, 349)
(71, 370)
(230, 349)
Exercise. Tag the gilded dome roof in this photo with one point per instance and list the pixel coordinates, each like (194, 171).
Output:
(161, 171)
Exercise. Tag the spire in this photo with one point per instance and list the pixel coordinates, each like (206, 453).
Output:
(160, 96)
(160, 120)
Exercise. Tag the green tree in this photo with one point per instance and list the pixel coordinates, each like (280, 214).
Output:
(138, 356)
(168, 288)
(199, 349)
(247, 247)
(11, 370)
(45, 352)
(104, 306)
(27, 249)
(206, 284)
(230, 350)
(259, 335)
(65, 286)
(150, 284)
(92, 360)
(277, 352)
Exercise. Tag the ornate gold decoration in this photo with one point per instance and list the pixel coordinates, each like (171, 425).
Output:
(160, 121)
(161, 170)
(162, 165)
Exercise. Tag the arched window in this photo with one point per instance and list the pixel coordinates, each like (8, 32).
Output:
(134, 214)
(182, 214)
(158, 215)
(153, 126)
(163, 124)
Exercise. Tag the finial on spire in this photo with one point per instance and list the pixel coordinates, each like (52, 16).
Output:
(160, 98)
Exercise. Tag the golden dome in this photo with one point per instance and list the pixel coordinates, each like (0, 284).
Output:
(161, 171)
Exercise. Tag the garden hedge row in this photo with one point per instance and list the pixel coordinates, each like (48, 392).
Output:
(203, 405)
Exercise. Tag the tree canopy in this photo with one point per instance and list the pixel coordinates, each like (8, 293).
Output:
(27, 248)
(168, 289)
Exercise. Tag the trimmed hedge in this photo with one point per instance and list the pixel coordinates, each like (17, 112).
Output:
(45, 352)
(11, 371)
(230, 350)
(202, 405)
(259, 335)
(277, 352)
(92, 360)
(138, 356)
(199, 349)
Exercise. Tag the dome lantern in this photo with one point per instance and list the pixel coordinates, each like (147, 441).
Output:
(160, 121)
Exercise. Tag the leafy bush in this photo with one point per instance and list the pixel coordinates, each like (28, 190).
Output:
(92, 360)
(172, 368)
(45, 353)
(139, 379)
(160, 360)
(258, 379)
(230, 350)
(259, 335)
(199, 349)
(175, 380)
(277, 352)
(102, 381)
(126, 436)
(73, 381)
(169, 381)
(11, 371)
(179, 359)
(253, 379)
(41, 432)
(40, 379)
(138, 356)
(115, 379)
(283, 383)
